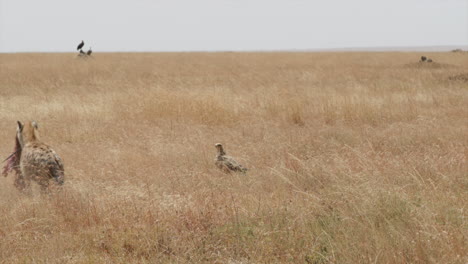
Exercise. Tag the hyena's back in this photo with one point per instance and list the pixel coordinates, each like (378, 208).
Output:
(41, 163)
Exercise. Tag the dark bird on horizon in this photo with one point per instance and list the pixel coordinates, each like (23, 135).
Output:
(89, 52)
(80, 45)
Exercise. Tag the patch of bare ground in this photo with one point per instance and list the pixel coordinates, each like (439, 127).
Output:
(459, 77)
(429, 65)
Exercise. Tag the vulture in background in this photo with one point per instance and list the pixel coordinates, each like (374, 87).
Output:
(80, 46)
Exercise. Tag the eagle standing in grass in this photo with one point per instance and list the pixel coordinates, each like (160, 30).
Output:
(225, 162)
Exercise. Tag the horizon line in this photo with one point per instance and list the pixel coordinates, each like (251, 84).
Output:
(434, 48)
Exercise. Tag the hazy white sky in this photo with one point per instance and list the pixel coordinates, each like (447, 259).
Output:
(186, 25)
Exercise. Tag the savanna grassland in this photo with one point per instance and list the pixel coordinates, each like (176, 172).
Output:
(352, 157)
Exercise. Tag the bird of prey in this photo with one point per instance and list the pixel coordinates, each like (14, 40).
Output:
(227, 163)
(80, 45)
(89, 52)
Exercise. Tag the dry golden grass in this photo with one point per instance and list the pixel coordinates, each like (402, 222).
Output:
(352, 157)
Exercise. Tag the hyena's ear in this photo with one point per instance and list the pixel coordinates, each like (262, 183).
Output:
(35, 125)
(20, 126)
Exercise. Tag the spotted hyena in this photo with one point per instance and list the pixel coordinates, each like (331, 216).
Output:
(36, 160)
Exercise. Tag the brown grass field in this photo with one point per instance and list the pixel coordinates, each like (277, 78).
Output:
(352, 157)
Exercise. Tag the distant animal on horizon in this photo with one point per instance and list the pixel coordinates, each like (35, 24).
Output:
(37, 161)
(82, 54)
(80, 46)
(227, 163)
(423, 58)
(89, 52)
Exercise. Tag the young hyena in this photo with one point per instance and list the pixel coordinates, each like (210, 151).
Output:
(38, 161)
(12, 164)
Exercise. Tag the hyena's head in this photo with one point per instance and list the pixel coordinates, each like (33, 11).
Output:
(27, 132)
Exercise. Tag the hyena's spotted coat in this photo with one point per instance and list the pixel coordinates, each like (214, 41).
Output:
(38, 161)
